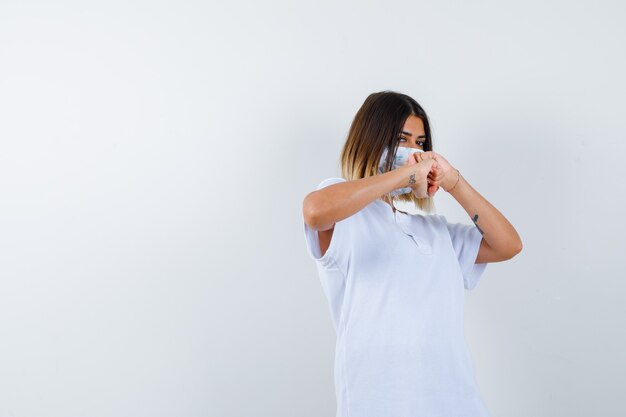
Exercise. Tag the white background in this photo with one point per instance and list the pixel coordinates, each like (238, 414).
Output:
(153, 161)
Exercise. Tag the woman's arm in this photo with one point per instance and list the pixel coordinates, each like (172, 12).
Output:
(500, 239)
(325, 207)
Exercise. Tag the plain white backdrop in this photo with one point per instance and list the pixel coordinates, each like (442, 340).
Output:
(154, 156)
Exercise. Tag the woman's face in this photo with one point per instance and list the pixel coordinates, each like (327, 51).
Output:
(413, 135)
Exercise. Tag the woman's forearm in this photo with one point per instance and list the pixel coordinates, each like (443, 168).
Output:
(325, 207)
(499, 234)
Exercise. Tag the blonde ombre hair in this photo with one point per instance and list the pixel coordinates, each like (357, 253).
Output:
(378, 125)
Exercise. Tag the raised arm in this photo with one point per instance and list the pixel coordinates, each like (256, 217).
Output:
(500, 239)
(325, 207)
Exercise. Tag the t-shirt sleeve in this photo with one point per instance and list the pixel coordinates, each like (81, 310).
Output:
(333, 257)
(466, 243)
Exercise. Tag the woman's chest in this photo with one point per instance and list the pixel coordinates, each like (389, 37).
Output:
(385, 240)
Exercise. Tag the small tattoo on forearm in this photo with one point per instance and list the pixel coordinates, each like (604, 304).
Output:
(412, 179)
(475, 219)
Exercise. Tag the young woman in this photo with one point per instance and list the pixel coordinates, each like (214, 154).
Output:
(394, 280)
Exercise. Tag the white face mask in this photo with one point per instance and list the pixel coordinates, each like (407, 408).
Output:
(402, 155)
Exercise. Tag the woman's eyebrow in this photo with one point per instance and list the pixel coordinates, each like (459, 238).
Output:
(409, 134)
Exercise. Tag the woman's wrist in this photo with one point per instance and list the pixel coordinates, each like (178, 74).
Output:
(451, 180)
(407, 176)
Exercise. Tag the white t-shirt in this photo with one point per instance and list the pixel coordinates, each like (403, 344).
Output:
(395, 286)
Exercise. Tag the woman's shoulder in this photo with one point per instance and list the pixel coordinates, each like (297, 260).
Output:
(329, 181)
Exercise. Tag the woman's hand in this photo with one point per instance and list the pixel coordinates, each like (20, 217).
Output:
(423, 189)
(443, 175)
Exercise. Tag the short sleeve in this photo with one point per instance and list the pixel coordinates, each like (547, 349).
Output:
(466, 241)
(333, 256)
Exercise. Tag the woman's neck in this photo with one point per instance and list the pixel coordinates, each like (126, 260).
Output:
(390, 204)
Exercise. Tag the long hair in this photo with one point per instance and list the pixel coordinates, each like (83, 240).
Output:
(378, 125)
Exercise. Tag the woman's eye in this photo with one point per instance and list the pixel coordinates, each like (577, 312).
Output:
(420, 143)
